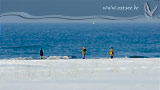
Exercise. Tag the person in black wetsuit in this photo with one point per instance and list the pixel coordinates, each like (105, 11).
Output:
(41, 53)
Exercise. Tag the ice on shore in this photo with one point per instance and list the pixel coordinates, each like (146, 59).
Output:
(77, 74)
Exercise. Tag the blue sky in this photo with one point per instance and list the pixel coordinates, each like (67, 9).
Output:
(74, 7)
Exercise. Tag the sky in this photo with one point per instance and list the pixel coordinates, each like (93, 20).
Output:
(75, 7)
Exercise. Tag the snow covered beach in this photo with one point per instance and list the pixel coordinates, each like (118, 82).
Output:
(77, 74)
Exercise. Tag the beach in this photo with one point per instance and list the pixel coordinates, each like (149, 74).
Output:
(135, 66)
(79, 45)
(78, 74)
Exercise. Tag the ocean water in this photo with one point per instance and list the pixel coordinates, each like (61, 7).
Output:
(132, 40)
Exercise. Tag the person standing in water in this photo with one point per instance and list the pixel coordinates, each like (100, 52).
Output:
(83, 52)
(111, 52)
(41, 53)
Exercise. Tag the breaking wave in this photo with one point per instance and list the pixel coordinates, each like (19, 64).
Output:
(45, 58)
(63, 58)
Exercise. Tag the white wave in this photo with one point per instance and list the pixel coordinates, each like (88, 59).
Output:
(19, 58)
(58, 57)
(35, 58)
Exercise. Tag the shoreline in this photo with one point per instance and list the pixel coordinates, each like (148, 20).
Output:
(58, 59)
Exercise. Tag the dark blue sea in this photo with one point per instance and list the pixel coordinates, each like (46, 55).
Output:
(132, 40)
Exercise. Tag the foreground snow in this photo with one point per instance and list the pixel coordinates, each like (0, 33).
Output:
(89, 74)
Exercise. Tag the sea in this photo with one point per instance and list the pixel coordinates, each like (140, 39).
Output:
(65, 40)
